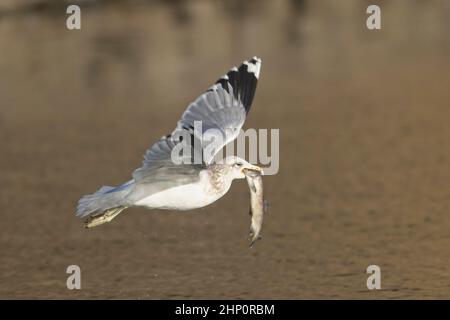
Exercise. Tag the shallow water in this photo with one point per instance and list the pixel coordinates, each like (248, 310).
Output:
(364, 151)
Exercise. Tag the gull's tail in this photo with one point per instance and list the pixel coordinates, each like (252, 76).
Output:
(103, 200)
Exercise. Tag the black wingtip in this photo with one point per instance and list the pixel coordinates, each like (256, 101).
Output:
(243, 81)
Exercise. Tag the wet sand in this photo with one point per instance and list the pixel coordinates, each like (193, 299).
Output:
(364, 153)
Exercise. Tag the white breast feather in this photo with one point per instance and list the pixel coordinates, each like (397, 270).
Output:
(184, 197)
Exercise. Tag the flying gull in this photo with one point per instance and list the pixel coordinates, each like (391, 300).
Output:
(161, 182)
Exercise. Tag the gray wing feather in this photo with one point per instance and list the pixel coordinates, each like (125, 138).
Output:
(158, 166)
(223, 107)
(216, 109)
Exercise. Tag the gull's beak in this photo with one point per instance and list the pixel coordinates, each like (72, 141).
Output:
(252, 168)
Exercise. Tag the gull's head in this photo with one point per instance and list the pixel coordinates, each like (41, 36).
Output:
(239, 167)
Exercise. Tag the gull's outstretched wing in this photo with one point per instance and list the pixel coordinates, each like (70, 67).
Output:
(223, 107)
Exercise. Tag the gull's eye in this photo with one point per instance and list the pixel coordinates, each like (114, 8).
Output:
(239, 164)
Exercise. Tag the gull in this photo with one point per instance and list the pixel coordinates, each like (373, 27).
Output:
(165, 182)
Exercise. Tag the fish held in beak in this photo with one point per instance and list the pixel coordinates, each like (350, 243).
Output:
(257, 203)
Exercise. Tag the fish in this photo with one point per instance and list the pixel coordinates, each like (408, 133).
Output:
(258, 205)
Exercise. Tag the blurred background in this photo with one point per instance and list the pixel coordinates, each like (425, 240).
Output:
(364, 156)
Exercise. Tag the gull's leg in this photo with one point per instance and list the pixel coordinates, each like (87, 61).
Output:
(105, 217)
